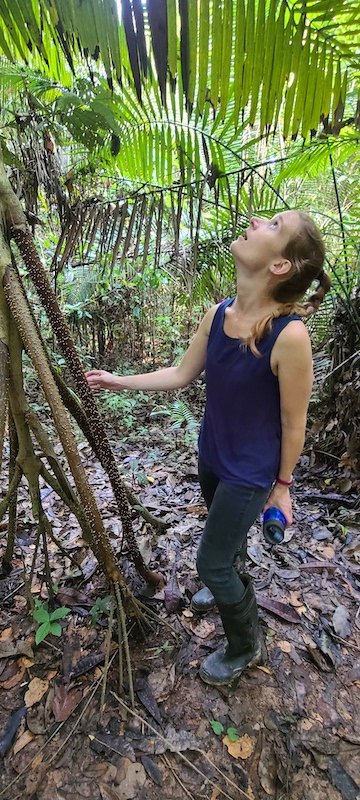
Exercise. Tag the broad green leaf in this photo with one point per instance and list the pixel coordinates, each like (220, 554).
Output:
(41, 615)
(55, 629)
(227, 37)
(216, 51)
(217, 727)
(249, 49)
(59, 613)
(204, 28)
(258, 58)
(240, 57)
(42, 632)
(269, 47)
(233, 734)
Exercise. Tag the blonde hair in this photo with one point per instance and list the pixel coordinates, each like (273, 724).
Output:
(306, 253)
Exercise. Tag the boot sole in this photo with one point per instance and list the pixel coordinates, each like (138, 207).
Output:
(234, 682)
(202, 609)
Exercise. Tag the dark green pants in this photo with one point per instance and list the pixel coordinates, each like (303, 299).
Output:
(232, 511)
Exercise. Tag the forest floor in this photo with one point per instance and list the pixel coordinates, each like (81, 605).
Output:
(291, 731)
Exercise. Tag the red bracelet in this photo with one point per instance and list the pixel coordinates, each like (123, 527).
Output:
(284, 483)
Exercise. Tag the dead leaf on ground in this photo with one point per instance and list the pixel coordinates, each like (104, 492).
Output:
(267, 769)
(340, 622)
(36, 690)
(353, 675)
(282, 610)
(11, 727)
(145, 695)
(9, 649)
(65, 701)
(6, 634)
(284, 646)
(203, 629)
(22, 741)
(152, 770)
(129, 787)
(14, 679)
(242, 748)
(162, 682)
(172, 595)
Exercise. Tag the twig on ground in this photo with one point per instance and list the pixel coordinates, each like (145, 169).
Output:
(183, 758)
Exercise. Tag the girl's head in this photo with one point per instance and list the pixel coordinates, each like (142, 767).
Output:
(288, 251)
(304, 255)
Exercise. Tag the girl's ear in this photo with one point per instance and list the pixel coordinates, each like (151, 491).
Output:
(281, 267)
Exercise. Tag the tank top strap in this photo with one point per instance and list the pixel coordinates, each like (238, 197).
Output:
(218, 319)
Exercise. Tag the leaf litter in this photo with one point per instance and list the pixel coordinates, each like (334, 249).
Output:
(297, 718)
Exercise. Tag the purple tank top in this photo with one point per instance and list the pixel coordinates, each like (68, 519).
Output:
(240, 434)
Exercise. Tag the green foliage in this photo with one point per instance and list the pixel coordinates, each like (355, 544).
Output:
(181, 418)
(101, 607)
(233, 734)
(122, 408)
(47, 620)
(219, 729)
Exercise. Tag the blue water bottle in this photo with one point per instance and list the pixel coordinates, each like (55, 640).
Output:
(274, 524)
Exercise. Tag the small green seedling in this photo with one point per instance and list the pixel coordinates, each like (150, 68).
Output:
(48, 620)
(101, 606)
(219, 729)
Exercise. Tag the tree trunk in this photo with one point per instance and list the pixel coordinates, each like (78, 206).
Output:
(18, 329)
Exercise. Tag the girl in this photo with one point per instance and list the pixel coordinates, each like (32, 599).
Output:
(257, 358)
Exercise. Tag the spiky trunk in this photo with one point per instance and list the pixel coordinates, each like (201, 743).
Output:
(19, 232)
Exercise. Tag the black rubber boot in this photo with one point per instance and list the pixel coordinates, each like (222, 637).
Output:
(240, 621)
(204, 600)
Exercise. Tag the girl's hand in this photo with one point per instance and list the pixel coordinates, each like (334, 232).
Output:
(280, 498)
(100, 379)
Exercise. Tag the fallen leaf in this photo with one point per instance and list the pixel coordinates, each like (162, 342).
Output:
(133, 781)
(342, 780)
(37, 761)
(242, 748)
(35, 692)
(281, 610)
(65, 701)
(340, 622)
(152, 770)
(22, 741)
(14, 680)
(162, 682)
(314, 566)
(11, 727)
(203, 629)
(284, 646)
(145, 695)
(353, 675)
(5, 634)
(172, 595)
(8, 649)
(267, 769)
(328, 551)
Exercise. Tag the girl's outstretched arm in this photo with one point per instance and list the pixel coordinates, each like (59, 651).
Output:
(190, 367)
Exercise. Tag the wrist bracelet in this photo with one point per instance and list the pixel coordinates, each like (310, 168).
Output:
(284, 483)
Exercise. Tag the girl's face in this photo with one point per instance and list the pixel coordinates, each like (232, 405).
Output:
(265, 240)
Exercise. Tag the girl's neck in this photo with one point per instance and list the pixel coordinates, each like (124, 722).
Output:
(251, 300)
